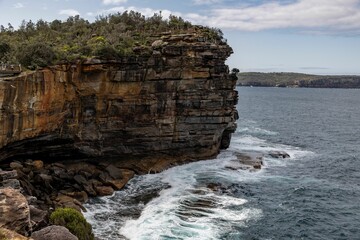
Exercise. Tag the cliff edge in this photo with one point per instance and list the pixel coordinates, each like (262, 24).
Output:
(173, 98)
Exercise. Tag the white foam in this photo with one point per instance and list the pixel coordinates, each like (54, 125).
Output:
(246, 126)
(178, 211)
(161, 217)
(256, 130)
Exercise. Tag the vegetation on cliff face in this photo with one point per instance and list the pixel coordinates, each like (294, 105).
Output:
(283, 79)
(41, 43)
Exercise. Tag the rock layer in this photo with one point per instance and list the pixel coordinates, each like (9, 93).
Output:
(175, 98)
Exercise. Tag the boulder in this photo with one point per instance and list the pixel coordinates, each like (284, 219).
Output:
(38, 217)
(38, 164)
(104, 190)
(114, 172)
(246, 161)
(66, 201)
(14, 211)
(5, 175)
(53, 233)
(16, 165)
(80, 196)
(6, 234)
(11, 183)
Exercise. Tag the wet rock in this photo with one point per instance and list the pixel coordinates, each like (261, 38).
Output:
(118, 184)
(246, 161)
(53, 233)
(235, 165)
(104, 190)
(14, 211)
(279, 154)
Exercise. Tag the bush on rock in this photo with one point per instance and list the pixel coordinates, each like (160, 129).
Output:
(74, 221)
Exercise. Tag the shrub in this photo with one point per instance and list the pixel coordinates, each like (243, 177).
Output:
(35, 55)
(106, 52)
(74, 221)
(4, 49)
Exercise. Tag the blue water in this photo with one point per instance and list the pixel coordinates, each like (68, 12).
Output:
(315, 194)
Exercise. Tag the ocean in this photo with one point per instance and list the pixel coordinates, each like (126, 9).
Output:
(314, 194)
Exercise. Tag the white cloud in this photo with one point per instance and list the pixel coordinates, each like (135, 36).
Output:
(18, 5)
(69, 12)
(114, 2)
(323, 15)
(205, 2)
(305, 16)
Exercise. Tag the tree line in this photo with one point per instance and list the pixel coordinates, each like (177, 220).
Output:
(41, 43)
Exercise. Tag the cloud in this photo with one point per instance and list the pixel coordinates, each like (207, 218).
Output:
(18, 5)
(206, 2)
(319, 15)
(113, 2)
(69, 12)
(335, 17)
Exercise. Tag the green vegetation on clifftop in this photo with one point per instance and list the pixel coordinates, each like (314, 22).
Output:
(44, 43)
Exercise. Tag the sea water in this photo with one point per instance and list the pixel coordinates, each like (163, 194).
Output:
(314, 194)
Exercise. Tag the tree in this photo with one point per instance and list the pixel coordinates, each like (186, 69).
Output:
(4, 50)
(35, 55)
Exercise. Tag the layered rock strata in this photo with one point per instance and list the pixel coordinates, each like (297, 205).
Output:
(175, 98)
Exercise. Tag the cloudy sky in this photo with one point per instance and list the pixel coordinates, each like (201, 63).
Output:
(311, 36)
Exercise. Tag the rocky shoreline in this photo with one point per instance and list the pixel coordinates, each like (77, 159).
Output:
(31, 190)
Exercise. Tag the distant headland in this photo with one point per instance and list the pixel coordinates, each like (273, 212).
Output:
(289, 79)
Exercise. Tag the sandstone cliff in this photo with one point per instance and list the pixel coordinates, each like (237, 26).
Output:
(174, 98)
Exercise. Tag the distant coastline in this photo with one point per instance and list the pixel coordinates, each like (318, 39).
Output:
(285, 79)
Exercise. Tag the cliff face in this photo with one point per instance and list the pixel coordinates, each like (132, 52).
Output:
(175, 98)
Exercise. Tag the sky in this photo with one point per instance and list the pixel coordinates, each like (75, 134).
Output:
(308, 36)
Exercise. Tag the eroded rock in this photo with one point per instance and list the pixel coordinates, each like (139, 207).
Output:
(14, 211)
(6, 234)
